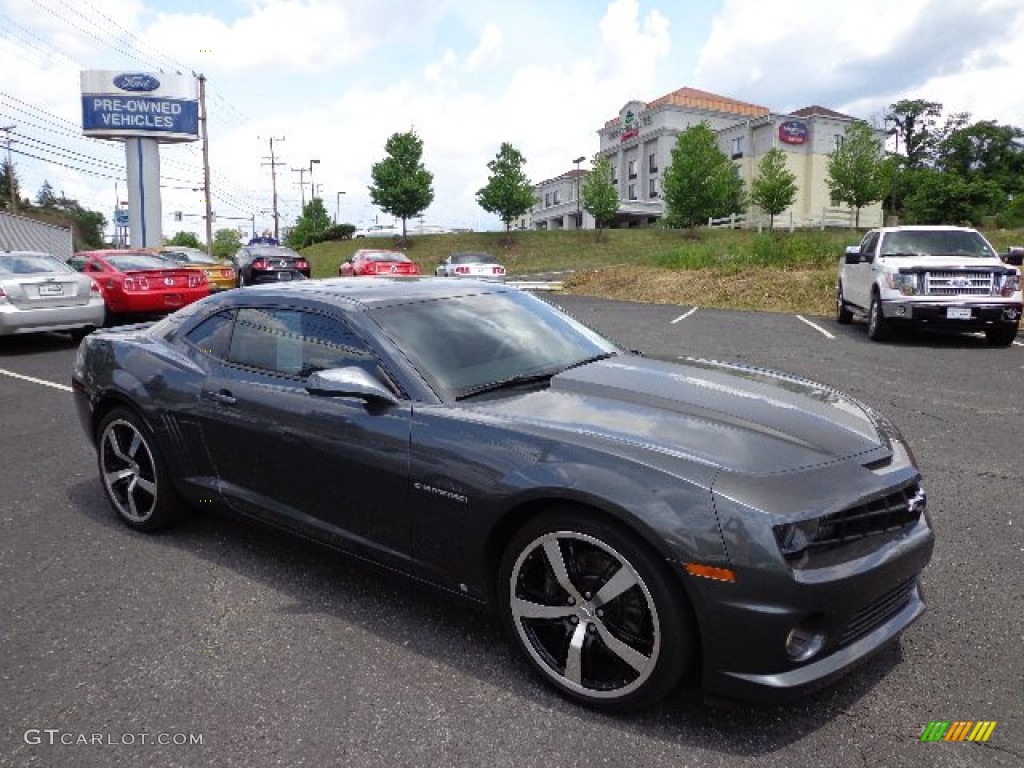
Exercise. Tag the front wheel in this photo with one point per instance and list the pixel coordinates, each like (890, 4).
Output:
(878, 326)
(843, 315)
(133, 473)
(594, 612)
(1001, 336)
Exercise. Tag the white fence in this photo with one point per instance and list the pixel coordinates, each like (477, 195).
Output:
(843, 218)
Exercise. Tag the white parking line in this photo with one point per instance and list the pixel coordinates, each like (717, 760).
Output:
(1018, 344)
(683, 317)
(815, 326)
(34, 380)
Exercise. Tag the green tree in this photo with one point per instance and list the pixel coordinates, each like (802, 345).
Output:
(401, 185)
(225, 243)
(948, 198)
(984, 150)
(914, 124)
(313, 221)
(700, 182)
(508, 193)
(599, 196)
(857, 171)
(10, 186)
(186, 240)
(774, 189)
(45, 197)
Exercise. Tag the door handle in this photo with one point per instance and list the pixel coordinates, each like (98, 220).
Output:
(223, 396)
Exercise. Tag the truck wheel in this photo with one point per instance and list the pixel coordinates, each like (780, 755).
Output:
(843, 315)
(1001, 335)
(878, 326)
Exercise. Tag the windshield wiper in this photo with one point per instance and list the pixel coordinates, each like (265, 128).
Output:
(530, 378)
(515, 381)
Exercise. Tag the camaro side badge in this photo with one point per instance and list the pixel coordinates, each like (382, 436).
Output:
(441, 492)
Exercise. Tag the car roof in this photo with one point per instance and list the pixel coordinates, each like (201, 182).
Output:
(378, 291)
(926, 228)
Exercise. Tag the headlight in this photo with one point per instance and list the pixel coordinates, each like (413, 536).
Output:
(1007, 285)
(906, 284)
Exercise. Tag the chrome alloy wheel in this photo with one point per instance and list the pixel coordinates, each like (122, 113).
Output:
(128, 470)
(585, 615)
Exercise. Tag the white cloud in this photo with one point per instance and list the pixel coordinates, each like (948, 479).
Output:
(487, 53)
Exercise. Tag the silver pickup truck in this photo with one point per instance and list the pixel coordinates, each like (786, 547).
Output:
(931, 276)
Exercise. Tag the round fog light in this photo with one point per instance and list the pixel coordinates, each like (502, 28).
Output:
(804, 640)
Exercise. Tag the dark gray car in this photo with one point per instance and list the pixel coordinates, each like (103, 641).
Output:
(629, 519)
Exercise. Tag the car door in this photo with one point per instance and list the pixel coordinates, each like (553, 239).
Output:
(331, 467)
(857, 277)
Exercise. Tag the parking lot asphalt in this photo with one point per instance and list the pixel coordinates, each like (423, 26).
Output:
(270, 651)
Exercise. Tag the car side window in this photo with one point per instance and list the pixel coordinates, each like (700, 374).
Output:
(295, 342)
(868, 246)
(213, 335)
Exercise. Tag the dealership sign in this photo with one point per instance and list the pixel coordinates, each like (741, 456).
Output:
(125, 104)
(793, 132)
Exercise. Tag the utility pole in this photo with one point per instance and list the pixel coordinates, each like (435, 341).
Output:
(337, 207)
(302, 184)
(206, 164)
(273, 181)
(10, 166)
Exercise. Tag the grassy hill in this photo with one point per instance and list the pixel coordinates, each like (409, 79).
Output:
(781, 271)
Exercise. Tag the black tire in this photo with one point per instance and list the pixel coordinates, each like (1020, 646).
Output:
(618, 652)
(843, 315)
(1001, 335)
(80, 333)
(133, 473)
(878, 326)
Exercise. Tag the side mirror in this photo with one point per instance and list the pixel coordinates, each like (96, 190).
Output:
(350, 381)
(852, 254)
(1015, 255)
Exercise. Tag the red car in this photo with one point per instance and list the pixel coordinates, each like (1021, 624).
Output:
(374, 261)
(138, 282)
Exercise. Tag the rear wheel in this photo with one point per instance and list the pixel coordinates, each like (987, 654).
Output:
(1001, 336)
(133, 474)
(878, 326)
(594, 612)
(843, 315)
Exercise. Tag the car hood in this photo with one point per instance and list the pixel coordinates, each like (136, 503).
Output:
(740, 419)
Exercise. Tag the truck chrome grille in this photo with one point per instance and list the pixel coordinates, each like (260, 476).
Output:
(958, 283)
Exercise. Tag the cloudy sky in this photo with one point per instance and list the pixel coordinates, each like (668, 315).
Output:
(336, 78)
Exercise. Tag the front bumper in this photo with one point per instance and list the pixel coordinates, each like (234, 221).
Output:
(858, 606)
(14, 320)
(939, 314)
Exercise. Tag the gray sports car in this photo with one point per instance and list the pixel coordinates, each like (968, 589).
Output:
(629, 519)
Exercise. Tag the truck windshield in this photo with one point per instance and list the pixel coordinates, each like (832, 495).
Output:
(936, 243)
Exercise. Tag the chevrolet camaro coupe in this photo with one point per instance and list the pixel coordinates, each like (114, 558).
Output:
(629, 519)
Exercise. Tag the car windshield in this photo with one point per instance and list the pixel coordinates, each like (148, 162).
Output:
(30, 264)
(468, 344)
(188, 257)
(936, 243)
(273, 252)
(136, 261)
(473, 258)
(385, 256)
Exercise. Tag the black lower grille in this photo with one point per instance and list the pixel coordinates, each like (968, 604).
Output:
(878, 612)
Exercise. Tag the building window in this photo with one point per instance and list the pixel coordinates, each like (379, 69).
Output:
(555, 197)
(652, 188)
(615, 178)
(632, 191)
(632, 169)
(839, 139)
(737, 148)
(652, 163)
(547, 199)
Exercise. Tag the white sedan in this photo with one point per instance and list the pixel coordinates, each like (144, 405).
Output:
(480, 266)
(377, 230)
(39, 292)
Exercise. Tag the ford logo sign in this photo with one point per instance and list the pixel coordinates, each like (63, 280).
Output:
(137, 83)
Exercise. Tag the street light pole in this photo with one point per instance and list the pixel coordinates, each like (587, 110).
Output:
(579, 212)
(337, 207)
(312, 189)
